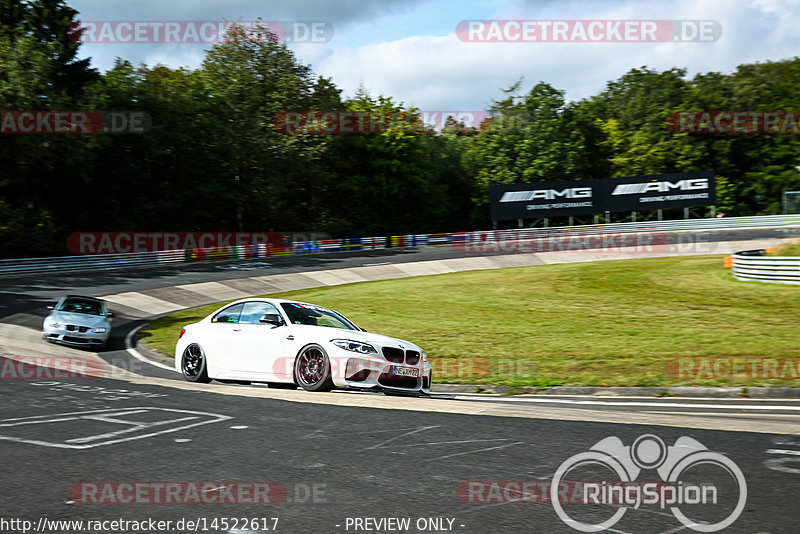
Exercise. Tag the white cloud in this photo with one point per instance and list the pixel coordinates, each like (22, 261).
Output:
(439, 72)
(444, 73)
(334, 11)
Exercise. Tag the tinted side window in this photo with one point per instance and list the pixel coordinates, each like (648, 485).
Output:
(229, 314)
(252, 312)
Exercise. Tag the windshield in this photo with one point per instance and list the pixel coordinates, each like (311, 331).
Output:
(88, 307)
(316, 316)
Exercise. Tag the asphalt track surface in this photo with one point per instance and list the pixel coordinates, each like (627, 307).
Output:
(344, 457)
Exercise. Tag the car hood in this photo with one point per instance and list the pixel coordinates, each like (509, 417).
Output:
(80, 319)
(328, 333)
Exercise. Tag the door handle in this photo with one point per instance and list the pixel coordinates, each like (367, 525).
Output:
(237, 329)
(290, 337)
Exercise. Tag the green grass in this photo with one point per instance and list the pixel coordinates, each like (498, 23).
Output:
(792, 248)
(612, 323)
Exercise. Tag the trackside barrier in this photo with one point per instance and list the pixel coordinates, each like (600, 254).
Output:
(100, 262)
(105, 262)
(755, 265)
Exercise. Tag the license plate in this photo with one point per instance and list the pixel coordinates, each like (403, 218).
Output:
(412, 372)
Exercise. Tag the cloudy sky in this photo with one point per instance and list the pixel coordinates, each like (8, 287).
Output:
(409, 49)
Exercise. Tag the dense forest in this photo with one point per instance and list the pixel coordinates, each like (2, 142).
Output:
(213, 159)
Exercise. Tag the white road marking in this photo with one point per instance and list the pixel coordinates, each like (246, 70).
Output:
(609, 398)
(319, 430)
(135, 353)
(239, 427)
(790, 416)
(109, 417)
(643, 404)
(783, 451)
(135, 427)
(381, 444)
(452, 442)
(778, 464)
(477, 450)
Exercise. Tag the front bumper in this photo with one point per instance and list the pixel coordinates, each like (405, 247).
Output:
(75, 337)
(374, 372)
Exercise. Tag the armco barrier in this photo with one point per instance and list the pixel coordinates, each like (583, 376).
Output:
(101, 262)
(106, 262)
(754, 265)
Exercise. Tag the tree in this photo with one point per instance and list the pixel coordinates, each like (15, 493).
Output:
(251, 77)
(39, 70)
(535, 138)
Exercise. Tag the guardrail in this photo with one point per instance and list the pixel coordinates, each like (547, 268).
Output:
(104, 262)
(755, 265)
(100, 262)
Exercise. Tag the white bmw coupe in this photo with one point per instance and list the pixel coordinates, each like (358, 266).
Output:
(287, 343)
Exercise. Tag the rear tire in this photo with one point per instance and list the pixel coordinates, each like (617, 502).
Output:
(193, 364)
(312, 369)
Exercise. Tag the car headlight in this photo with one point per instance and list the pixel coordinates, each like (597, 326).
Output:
(100, 330)
(354, 346)
(424, 356)
(55, 325)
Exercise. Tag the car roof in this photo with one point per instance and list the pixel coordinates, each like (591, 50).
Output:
(84, 297)
(268, 299)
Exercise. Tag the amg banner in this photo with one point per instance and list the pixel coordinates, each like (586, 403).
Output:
(661, 191)
(545, 199)
(593, 197)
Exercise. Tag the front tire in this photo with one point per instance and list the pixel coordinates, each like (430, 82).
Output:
(312, 369)
(193, 364)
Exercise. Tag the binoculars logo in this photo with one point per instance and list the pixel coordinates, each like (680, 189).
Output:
(648, 452)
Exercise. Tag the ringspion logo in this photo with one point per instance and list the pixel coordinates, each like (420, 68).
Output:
(647, 453)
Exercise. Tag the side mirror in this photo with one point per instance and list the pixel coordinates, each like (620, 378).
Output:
(51, 307)
(271, 318)
(109, 314)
